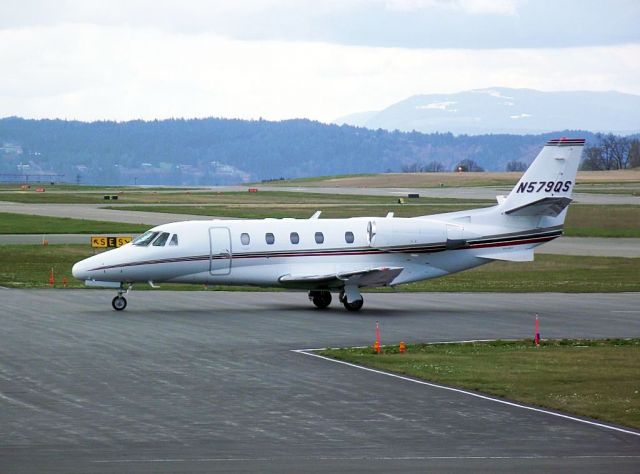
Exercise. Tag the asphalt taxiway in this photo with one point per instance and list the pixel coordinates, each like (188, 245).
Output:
(208, 381)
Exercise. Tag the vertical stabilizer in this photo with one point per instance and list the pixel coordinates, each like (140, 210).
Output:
(545, 188)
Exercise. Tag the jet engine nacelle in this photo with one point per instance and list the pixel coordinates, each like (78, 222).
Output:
(394, 232)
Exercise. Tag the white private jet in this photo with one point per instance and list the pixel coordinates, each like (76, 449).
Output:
(344, 255)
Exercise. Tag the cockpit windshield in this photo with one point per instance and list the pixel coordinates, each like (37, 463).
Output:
(161, 240)
(145, 238)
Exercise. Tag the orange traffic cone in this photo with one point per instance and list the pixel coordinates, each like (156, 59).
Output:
(402, 348)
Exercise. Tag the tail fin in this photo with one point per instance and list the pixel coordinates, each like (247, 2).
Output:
(545, 188)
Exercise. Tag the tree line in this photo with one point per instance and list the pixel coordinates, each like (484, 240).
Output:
(219, 151)
(611, 152)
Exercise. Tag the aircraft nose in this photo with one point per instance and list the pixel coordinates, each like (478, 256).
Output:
(79, 270)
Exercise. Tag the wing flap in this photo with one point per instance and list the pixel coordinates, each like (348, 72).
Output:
(521, 255)
(380, 276)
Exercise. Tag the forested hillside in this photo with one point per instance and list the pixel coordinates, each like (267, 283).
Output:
(222, 151)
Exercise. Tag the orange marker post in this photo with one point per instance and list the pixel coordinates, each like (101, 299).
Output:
(51, 279)
(402, 348)
(537, 336)
(376, 346)
(64, 281)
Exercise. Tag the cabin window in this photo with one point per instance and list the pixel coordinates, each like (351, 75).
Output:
(294, 237)
(348, 237)
(319, 238)
(269, 238)
(245, 239)
(161, 240)
(145, 239)
(174, 240)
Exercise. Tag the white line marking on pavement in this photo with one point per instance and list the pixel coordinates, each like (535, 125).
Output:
(472, 394)
(354, 458)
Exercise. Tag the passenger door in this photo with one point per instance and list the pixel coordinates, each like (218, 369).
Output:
(221, 252)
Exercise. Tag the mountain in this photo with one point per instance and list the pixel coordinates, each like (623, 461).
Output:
(504, 110)
(222, 151)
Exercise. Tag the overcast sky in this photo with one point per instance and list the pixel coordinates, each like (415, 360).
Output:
(320, 59)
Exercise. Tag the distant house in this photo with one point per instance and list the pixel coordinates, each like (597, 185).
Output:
(11, 149)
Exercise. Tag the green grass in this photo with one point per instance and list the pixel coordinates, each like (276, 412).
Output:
(594, 378)
(28, 224)
(303, 211)
(548, 273)
(603, 221)
(28, 266)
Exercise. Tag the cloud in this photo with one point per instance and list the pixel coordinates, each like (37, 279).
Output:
(470, 24)
(474, 7)
(89, 72)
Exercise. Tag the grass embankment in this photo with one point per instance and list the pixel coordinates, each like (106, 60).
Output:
(583, 220)
(28, 266)
(599, 379)
(28, 224)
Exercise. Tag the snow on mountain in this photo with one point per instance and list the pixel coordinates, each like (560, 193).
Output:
(504, 110)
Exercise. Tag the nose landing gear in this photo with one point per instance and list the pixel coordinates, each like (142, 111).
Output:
(119, 302)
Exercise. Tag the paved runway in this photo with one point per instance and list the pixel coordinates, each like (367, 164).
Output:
(206, 381)
(96, 212)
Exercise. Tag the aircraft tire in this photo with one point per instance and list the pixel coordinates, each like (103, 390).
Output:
(119, 303)
(354, 306)
(321, 299)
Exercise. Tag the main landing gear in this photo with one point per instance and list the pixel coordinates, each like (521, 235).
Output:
(119, 302)
(355, 305)
(322, 299)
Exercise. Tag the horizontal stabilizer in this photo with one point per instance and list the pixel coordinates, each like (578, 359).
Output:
(369, 277)
(525, 255)
(548, 206)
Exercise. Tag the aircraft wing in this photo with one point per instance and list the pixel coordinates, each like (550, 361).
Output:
(380, 276)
